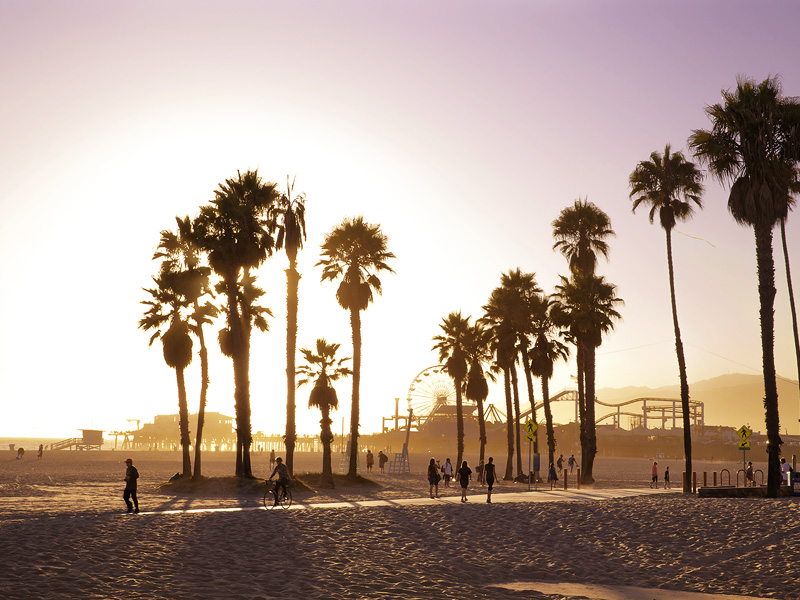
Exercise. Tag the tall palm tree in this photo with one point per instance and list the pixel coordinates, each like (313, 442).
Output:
(235, 232)
(671, 186)
(753, 147)
(453, 354)
(546, 351)
(355, 251)
(580, 232)
(588, 312)
(291, 225)
(523, 298)
(322, 368)
(165, 316)
(181, 256)
(792, 307)
(497, 321)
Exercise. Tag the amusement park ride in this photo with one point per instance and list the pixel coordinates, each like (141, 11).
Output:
(432, 398)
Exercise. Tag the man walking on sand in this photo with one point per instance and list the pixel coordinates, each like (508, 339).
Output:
(131, 475)
(489, 473)
(654, 482)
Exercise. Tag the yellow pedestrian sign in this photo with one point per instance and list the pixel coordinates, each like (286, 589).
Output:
(744, 432)
(531, 428)
(744, 445)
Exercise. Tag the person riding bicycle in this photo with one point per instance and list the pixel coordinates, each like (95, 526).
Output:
(282, 471)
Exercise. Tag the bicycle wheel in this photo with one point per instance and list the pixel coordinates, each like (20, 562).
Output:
(286, 499)
(269, 499)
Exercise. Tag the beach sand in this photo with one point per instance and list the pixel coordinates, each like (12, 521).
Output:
(64, 534)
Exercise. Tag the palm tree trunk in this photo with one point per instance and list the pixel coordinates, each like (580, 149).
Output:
(515, 384)
(529, 380)
(355, 323)
(239, 376)
(247, 435)
(687, 425)
(201, 411)
(584, 436)
(459, 424)
(482, 428)
(791, 295)
(591, 430)
(326, 438)
(509, 420)
(548, 417)
(183, 422)
(292, 284)
(766, 294)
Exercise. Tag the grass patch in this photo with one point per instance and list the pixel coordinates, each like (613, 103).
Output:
(314, 481)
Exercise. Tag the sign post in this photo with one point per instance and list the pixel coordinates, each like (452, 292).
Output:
(530, 436)
(744, 432)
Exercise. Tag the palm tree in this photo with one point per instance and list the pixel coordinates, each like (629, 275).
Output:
(498, 323)
(547, 350)
(453, 354)
(291, 226)
(588, 312)
(181, 256)
(355, 251)
(671, 185)
(323, 368)
(166, 308)
(580, 232)
(523, 298)
(752, 146)
(477, 347)
(235, 232)
(792, 307)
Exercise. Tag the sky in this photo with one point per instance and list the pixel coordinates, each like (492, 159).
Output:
(461, 128)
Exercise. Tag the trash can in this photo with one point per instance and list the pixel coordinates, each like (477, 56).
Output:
(794, 482)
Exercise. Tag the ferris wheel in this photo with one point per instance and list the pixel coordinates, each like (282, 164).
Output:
(430, 392)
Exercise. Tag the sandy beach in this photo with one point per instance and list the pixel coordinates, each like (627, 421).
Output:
(64, 534)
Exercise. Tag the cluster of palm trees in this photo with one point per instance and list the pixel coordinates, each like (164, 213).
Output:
(522, 326)
(208, 269)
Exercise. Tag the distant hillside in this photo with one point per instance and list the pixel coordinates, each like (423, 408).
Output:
(732, 400)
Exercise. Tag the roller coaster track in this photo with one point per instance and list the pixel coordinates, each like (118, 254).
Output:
(654, 406)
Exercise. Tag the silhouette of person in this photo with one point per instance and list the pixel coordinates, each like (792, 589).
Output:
(382, 460)
(131, 476)
(666, 478)
(40, 452)
(489, 473)
(552, 477)
(464, 474)
(654, 472)
(433, 478)
(370, 461)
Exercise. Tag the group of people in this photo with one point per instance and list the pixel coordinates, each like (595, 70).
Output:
(382, 460)
(654, 475)
(436, 472)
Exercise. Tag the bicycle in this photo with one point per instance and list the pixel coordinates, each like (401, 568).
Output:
(284, 496)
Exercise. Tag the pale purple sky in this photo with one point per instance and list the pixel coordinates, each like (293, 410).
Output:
(463, 128)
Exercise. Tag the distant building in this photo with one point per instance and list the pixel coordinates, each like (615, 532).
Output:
(164, 432)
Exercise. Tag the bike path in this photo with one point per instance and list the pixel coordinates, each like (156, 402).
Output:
(497, 498)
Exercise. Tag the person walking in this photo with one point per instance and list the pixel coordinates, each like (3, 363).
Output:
(433, 478)
(382, 460)
(131, 476)
(464, 474)
(447, 469)
(40, 452)
(786, 469)
(572, 462)
(666, 478)
(489, 473)
(479, 472)
(654, 473)
(748, 475)
(560, 464)
(272, 459)
(552, 477)
(370, 461)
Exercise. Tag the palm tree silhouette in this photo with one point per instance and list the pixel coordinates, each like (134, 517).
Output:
(453, 354)
(235, 232)
(580, 232)
(182, 256)
(671, 185)
(753, 147)
(588, 312)
(497, 320)
(546, 351)
(291, 226)
(355, 251)
(322, 368)
(165, 316)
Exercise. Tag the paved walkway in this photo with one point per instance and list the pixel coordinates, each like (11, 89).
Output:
(497, 498)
